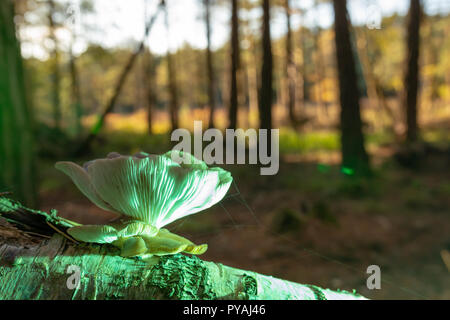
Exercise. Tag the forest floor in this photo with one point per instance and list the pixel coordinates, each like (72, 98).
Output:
(309, 223)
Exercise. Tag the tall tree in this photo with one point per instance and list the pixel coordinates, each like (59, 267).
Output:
(318, 65)
(250, 65)
(412, 70)
(209, 64)
(56, 76)
(150, 90)
(173, 90)
(149, 78)
(16, 138)
(354, 156)
(290, 67)
(301, 74)
(265, 102)
(235, 63)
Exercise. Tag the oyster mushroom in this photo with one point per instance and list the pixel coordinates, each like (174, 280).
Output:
(148, 192)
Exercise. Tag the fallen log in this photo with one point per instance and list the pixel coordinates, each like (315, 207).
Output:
(39, 261)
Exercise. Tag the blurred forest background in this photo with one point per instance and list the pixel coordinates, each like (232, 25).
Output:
(361, 96)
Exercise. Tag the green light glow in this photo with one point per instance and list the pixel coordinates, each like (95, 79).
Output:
(347, 171)
(149, 192)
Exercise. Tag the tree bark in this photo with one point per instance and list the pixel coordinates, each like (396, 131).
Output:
(290, 71)
(265, 102)
(173, 90)
(55, 268)
(354, 157)
(56, 76)
(412, 70)
(209, 64)
(235, 63)
(318, 65)
(17, 172)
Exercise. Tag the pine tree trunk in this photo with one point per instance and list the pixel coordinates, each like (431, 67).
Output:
(354, 157)
(235, 62)
(173, 90)
(16, 136)
(56, 76)
(318, 59)
(412, 70)
(290, 68)
(253, 83)
(210, 65)
(265, 103)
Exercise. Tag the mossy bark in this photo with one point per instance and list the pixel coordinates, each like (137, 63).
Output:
(16, 125)
(39, 269)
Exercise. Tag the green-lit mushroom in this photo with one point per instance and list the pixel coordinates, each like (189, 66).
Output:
(148, 192)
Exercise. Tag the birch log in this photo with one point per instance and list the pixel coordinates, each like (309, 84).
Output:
(31, 268)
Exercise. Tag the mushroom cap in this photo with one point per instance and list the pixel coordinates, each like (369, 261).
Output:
(155, 189)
